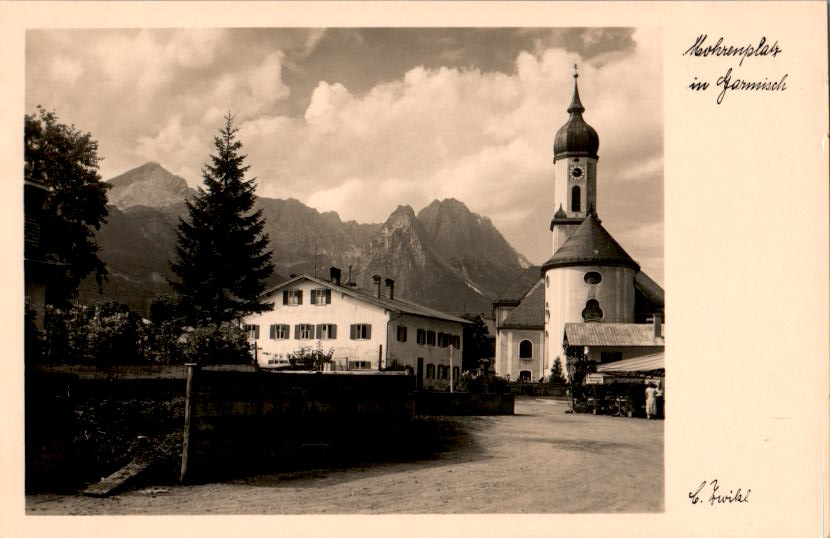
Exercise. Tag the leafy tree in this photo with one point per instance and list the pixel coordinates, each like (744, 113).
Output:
(222, 252)
(65, 161)
(476, 342)
(557, 375)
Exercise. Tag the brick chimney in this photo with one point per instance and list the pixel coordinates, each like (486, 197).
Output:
(390, 288)
(378, 286)
(334, 273)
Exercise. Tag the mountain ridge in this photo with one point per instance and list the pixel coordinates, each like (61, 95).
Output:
(445, 256)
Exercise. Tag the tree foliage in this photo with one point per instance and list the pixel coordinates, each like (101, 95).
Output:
(476, 342)
(557, 374)
(222, 252)
(65, 161)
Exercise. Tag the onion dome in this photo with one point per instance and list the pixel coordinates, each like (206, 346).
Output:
(590, 244)
(576, 138)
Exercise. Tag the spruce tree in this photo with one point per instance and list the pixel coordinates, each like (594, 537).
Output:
(222, 253)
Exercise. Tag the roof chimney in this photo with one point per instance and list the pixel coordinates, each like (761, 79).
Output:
(334, 273)
(378, 287)
(658, 326)
(350, 283)
(390, 287)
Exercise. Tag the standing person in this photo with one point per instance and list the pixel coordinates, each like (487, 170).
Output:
(651, 401)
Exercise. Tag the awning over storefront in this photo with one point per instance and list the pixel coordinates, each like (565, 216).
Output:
(645, 363)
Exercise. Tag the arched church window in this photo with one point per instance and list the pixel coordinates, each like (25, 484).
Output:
(592, 311)
(576, 198)
(525, 349)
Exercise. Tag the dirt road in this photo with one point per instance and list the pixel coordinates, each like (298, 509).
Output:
(539, 461)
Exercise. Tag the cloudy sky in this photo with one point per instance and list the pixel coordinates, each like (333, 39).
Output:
(359, 121)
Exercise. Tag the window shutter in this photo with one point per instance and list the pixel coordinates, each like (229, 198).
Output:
(319, 330)
(299, 296)
(332, 331)
(297, 331)
(352, 331)
(273, 332)
(368, 331)
(284, 296)
(313, 297)
(328, 296)
(256, 332)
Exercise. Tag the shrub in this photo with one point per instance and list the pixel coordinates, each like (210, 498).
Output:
(308, 358)
(481, 384)
(207, 345)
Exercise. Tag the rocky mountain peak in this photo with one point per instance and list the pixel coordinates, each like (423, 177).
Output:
(149, 185)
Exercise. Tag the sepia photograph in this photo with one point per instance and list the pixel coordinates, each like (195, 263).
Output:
(370, 269)
(344, 270)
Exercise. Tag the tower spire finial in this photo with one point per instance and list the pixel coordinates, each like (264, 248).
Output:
(576, 105)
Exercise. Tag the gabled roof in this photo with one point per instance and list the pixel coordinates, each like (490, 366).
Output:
(397, 304)
(612, 334)
(520, 286)
(530, 314)
(590, 244)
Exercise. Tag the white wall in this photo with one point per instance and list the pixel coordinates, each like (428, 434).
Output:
(343, 311)
(566, 294)
(407, 353)
(508, 351)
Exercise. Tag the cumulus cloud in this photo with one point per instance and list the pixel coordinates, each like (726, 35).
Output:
(481, 136)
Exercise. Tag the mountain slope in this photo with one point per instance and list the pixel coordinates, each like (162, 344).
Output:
(446, 257)
(149, 185)
(471, 245)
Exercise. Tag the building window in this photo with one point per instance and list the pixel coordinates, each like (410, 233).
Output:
(401, 333)
(360, 365)
(525, 376)
(292, 297)
(610, 356)
(321, 296)
(525, 349)
(326, 331)
(576, 198)
(455, 373)
(278, 332)
(430, 338)
(443, 340)
(421, 336)
(443, 372)
(252, 332)
(361, 331)
(592, 311)
(456, 341)
(592, 278)
(430, 371)
(303, 331)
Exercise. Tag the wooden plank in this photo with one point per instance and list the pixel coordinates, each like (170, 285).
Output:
(117, 480)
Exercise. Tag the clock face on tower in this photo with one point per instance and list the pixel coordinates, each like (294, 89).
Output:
(576, 172)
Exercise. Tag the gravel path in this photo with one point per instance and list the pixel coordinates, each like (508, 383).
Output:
(539, 461)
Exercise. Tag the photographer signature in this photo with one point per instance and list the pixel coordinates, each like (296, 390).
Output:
(716, 496)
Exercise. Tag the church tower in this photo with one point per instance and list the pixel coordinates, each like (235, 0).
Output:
(589, 278)
(575, 171)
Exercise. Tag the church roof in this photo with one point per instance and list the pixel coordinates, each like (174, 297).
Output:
(530, 314)
(576, 138)
(520, 286)
(613, 334)
(590, 244)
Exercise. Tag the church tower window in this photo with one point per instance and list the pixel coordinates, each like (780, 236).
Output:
(592, 311)
(576, 198)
